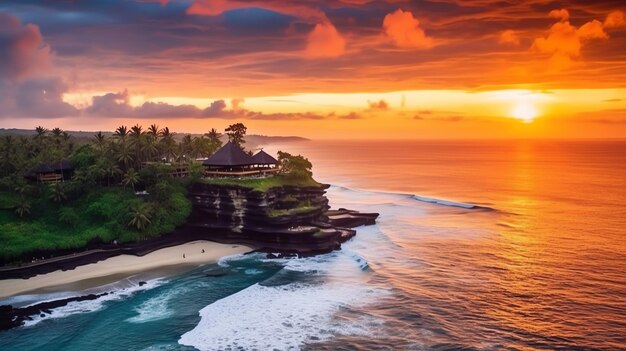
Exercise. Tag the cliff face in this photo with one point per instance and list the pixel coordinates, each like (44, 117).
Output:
(285, 219)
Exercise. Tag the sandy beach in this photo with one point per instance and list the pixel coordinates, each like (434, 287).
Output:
(162, 262)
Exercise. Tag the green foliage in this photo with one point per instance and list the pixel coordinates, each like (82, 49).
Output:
(68, 215)
(101, 214)
(22, 208)
(196, 171)
(131, 178)
(83, 157)
(93, 207)
(236, 133)
(57, 193)
(263, 184)
(295, 167)
(140, 216)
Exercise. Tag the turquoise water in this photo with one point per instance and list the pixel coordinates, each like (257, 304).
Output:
(539, 266)
(151, 318)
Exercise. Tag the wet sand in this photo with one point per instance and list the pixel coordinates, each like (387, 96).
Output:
(164, 262)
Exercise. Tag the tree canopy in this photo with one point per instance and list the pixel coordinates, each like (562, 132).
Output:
(236, 134)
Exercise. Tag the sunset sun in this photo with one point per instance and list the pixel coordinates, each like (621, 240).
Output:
(525, 111)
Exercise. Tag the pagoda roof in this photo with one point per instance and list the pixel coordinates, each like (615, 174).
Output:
(263, 158)
(229, 155)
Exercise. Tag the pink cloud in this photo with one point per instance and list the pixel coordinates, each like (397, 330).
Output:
(23, 51)
(325, 41)
(404, 30)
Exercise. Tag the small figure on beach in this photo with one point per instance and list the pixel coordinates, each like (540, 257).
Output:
(183, 255)
(202, 250)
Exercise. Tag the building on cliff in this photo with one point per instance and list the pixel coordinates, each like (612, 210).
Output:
(231, 160)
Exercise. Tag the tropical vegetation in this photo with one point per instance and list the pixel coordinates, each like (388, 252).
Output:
(126, 186)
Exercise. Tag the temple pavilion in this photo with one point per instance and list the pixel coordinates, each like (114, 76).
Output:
(231, 160)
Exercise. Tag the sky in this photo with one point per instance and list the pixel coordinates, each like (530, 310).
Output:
(323, 69)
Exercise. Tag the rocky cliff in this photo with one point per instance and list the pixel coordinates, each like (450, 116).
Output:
(284, 219)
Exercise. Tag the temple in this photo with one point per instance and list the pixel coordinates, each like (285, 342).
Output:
(231, 160)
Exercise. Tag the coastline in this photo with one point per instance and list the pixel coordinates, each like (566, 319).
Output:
(166, 260)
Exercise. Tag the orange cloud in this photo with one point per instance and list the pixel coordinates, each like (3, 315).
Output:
(561, 14)
(592, 30)
(325, 41)
(564, 41)
(509, 37)
(404, 30)
(615, 19)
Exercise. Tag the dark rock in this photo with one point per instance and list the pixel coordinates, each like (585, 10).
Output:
(142, 283)
(11, 317)
(216, 272)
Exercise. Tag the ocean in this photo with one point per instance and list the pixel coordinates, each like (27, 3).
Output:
(481, 245)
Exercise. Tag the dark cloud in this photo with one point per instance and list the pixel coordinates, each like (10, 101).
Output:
(118, 105)
(378, 105)
(37, 98)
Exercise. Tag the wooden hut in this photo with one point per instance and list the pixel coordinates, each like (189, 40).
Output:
(52, 173)
(263, 160)
(229, 160)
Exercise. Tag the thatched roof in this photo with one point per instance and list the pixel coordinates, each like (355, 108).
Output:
(229, 155)
(63, 165)
(43, 168)
(263, 158)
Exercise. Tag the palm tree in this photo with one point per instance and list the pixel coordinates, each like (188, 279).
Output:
(150, 148)
(153, 130)
(214, 142)
(140, 217)
(100, 140)
(111, 170)
(186, 145)
(136, 140)
(58, 193)
(121, 133)
(56, 132)
(124, 155)
(136, 131)
(167, 142)
(131, 178)
(41, 132)
(22, 209)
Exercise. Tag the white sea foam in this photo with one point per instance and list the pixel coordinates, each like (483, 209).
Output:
(363, 196)
(287, 316)
(156, 308)
(92, 305)
(268, 318)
